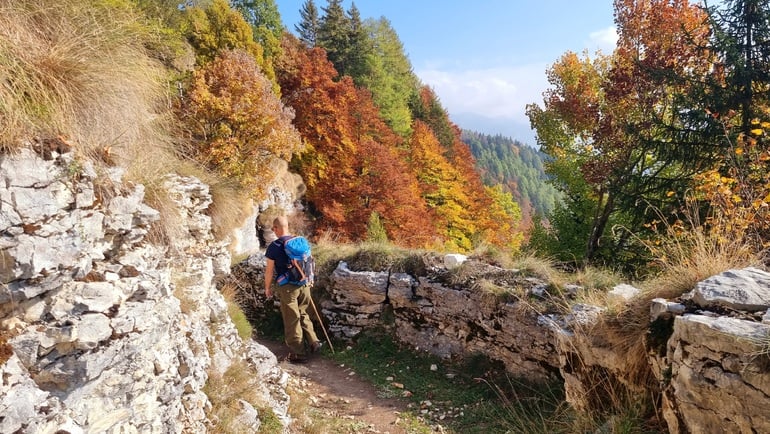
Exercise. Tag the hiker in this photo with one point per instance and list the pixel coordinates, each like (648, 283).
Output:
(294, 299)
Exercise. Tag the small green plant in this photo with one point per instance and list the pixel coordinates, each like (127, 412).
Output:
(241, 322)
(239, 319)
(375, 231)
(269, 421)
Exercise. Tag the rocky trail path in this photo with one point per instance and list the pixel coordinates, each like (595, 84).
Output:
(334, 391)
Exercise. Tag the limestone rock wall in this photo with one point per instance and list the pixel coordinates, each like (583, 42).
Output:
(705, 355)
(716, 365)
(442, 320)
(105, 331)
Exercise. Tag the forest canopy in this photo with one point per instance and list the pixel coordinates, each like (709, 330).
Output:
(664, 135)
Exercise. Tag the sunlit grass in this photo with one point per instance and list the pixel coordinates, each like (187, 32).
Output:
(80, 71)
(226, 390)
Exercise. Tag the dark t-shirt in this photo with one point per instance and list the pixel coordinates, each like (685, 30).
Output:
(276, 253)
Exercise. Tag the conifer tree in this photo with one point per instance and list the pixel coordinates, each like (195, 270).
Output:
(390, 77)
(741, 39)
(307, 29)
(359, 49)
(334, 35)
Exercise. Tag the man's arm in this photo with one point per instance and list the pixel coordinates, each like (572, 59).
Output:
(269, 277)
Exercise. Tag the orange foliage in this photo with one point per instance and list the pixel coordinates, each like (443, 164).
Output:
(352, 167)
(739, 189)
(236, 123)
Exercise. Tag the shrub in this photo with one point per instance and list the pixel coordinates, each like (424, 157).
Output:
(238, 126)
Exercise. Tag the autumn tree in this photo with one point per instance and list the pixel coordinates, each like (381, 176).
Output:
(352, 166)
(217, 28)
(465, 212)
(441, 187)
(497, 219)
(506, 213)
(237, 125)
(603, 120)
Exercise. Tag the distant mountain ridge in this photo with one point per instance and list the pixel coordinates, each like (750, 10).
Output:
(518, 168)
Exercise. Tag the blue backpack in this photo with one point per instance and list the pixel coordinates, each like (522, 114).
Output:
(301, 263)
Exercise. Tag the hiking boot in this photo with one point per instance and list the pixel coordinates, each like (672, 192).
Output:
(315, 347)
(296, 358)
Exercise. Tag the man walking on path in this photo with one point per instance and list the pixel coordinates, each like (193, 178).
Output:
(294, 299)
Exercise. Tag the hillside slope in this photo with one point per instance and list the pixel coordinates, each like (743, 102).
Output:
(515, 166)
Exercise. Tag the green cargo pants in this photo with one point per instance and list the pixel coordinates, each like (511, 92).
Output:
(297, 325)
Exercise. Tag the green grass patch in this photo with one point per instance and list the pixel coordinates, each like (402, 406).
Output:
(242, 323)
(472, 396)
(476, 395)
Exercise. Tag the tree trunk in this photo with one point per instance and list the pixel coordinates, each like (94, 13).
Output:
(600, 223)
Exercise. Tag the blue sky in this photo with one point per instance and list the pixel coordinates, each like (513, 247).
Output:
(486, 59)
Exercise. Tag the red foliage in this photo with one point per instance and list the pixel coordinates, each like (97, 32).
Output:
(352, 167)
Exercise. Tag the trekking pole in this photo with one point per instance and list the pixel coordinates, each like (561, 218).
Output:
(312, 303)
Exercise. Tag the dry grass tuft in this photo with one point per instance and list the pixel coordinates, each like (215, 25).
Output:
(696, 255)
(696, 248)
(501, 257)
(78, 69)
(226, 390)
(230, 208)
(542, 268)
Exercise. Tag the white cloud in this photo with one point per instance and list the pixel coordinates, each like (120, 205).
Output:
(501, 92)
(604, 39)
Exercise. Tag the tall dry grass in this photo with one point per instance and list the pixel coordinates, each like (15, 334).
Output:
(694, 249)
(79, 70)
(688, 252)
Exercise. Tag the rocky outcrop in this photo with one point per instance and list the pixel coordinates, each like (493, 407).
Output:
(716, 365)
(705, 355)
(283, 194)
(444, 320)
(106, 331)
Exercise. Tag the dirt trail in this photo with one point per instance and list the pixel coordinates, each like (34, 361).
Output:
(334, 390)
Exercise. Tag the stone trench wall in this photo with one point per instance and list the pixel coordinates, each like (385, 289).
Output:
(711, 371)
(106, 332)
(444, 321)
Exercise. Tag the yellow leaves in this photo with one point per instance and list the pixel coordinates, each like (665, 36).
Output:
(239, 124)
(757, 131)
